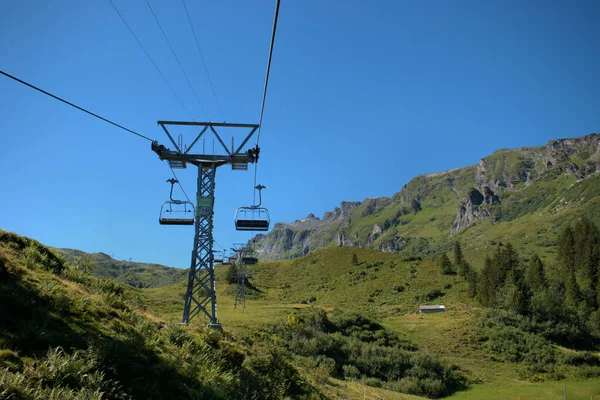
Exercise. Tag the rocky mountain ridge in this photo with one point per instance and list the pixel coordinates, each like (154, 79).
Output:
(431, 209)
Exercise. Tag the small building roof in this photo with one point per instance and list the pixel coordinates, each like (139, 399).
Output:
(432, 307)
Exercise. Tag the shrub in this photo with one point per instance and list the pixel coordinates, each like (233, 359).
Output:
(350, 371)
(13, 386)
(32, 257)
(351, 345)
(61, 376)
(586, 372)
(580, 358)
(176, 335)
(321, 375)
(266, 376)
(10, 359)
(399, 288)
(508, 337)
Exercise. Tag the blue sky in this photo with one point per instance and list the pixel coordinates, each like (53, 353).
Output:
(363, 97)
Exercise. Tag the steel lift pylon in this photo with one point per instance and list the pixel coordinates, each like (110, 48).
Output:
(201, 295)
(242, 251)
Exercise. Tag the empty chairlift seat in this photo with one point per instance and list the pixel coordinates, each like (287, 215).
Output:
(176, 212)
(252, 219)
(250, 260)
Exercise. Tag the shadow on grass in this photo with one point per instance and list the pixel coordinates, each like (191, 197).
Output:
(31, 322)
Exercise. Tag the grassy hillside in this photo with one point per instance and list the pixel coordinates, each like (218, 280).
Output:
(388, 288)
(67, 335)
(140, 275)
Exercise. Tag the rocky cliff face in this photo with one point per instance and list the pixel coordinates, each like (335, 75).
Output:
(514, 170)
(430, 208)
(476, 206)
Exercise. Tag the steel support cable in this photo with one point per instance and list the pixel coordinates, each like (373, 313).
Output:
(74, 105)
(150, 58)
(177, 59)
(264, 97)
(212, 87)
(262, 107)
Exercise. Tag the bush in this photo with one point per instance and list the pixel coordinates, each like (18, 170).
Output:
(580, 358)
(10, 359)
(586, 372)
(350, 371)
(399, 288)
(35, 255)
(321, 375)
(508, 337)
(266, 376)
(176, 335)
(351, 345)
(60, 376)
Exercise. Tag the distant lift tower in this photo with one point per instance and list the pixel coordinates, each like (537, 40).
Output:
(201, 295)
(243, 260)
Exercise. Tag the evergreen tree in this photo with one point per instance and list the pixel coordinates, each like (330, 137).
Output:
(565, 248)
(535, 275)
(486, 288)
(548, 304)
(516, 292)
(471, 277)
(505, 260)
(567, 262)
(587, 260)
(446, 265)
(572, 292)
(458, 255)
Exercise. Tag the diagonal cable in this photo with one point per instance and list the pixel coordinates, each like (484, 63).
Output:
(150, 58)
(177, 59)
(74, 105)
(212, 87)
(262, 107)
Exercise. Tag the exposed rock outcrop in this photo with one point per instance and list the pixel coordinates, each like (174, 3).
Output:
(477, 206)
(500, 172)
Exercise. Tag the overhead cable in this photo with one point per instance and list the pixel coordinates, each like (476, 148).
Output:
(264, 98)
(262, 107)
(151, 60)
(212, 87)
(74, 105)
(177, 59)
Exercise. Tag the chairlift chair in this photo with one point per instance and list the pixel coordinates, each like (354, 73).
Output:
(253, 218)
(250, 260)
(176, 212)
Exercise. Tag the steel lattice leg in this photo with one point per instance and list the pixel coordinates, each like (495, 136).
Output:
(201, 293)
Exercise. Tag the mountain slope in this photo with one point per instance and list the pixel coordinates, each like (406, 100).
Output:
(140, 275)
(545, 186)
(67, 335)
